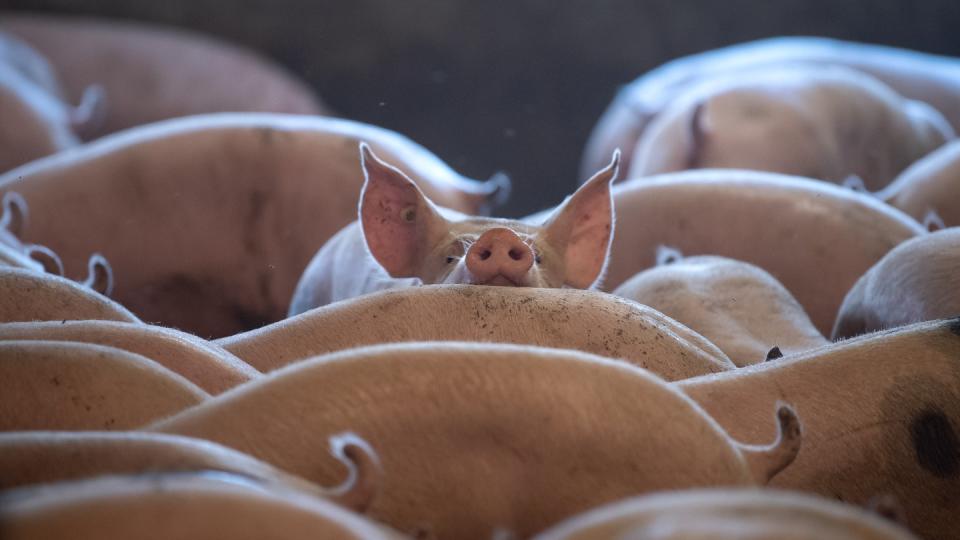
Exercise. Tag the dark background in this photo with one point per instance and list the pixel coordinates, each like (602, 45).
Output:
(510, 85)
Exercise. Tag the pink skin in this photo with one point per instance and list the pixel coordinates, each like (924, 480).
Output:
(38, 119)
(499, 257)
(823, 122)
(151, 73)
(404, 239)
(929, 190)
(917, 76)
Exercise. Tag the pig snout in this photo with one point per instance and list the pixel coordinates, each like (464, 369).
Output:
(499, 253)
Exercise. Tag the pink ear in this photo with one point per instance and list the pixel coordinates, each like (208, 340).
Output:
(582, 227)
(398, 221)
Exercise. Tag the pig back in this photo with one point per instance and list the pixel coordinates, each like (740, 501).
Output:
(209, 221)
(587, 321)
(150, 73)
(473, 437)
(815, 238)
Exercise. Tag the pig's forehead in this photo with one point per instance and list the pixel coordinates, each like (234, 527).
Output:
(478, 225)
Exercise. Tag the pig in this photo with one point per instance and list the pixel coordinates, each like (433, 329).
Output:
(477, 437)
(727, 514)
(738, 306)
(823, 122)
(39, 258)
(917, 76)
(919, 280)
(881, 414)
(931, 185)
(34, 125)
(210, 367)
(151, 73)
(29, 64)
(174, 204)
(37, 119)
(13, 216)
(79, 386)
(43, 457)
(26, 295)
(815, 238)
(160, 506)
(402, 239)
(588, 321)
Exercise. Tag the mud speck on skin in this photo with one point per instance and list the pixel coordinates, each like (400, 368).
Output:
(935, 443)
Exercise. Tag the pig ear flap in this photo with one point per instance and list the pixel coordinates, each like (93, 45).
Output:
(582, 228)
(698, 130)
(398, 221)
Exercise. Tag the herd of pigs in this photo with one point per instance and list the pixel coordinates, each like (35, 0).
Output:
(202, 337)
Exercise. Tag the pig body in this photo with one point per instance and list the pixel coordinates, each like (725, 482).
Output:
(43, 457)
(39, 258)
(163, 505)
(919, 280)
(13, 218)
(588, 321)
(757, 218)
(199, 361)
(29, 63)
(32, 296)
(932, 184)
(737, 306)
(881, 414)
(727, 514)
(490, 436)
(402, 239)
(35, 123)
(151, 73)
(828, 123)
(918, 76)
(77, 386)
(257, 194)
(38, 119)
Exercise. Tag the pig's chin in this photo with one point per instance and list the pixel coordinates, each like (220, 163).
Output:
(461, 275)
(500, 281)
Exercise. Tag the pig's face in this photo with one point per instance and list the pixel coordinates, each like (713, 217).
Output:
(488, 251)
(409, 237)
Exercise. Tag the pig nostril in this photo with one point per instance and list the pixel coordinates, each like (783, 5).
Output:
(515, 254)
(485, 254)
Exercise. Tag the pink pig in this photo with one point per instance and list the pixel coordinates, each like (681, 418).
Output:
(404, 239)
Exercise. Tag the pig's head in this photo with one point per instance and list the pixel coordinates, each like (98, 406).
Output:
(411, 237)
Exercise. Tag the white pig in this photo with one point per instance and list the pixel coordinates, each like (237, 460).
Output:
(915, 75)
(930, 188)
(919, 280)
(403, 239)
(824, 122)
(37, 119)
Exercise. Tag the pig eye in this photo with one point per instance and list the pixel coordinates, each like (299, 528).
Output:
(408, 214)
(536, 259)
(451, 259)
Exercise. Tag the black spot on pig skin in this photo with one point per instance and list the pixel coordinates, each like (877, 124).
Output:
(774, 353)
(935, 442)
